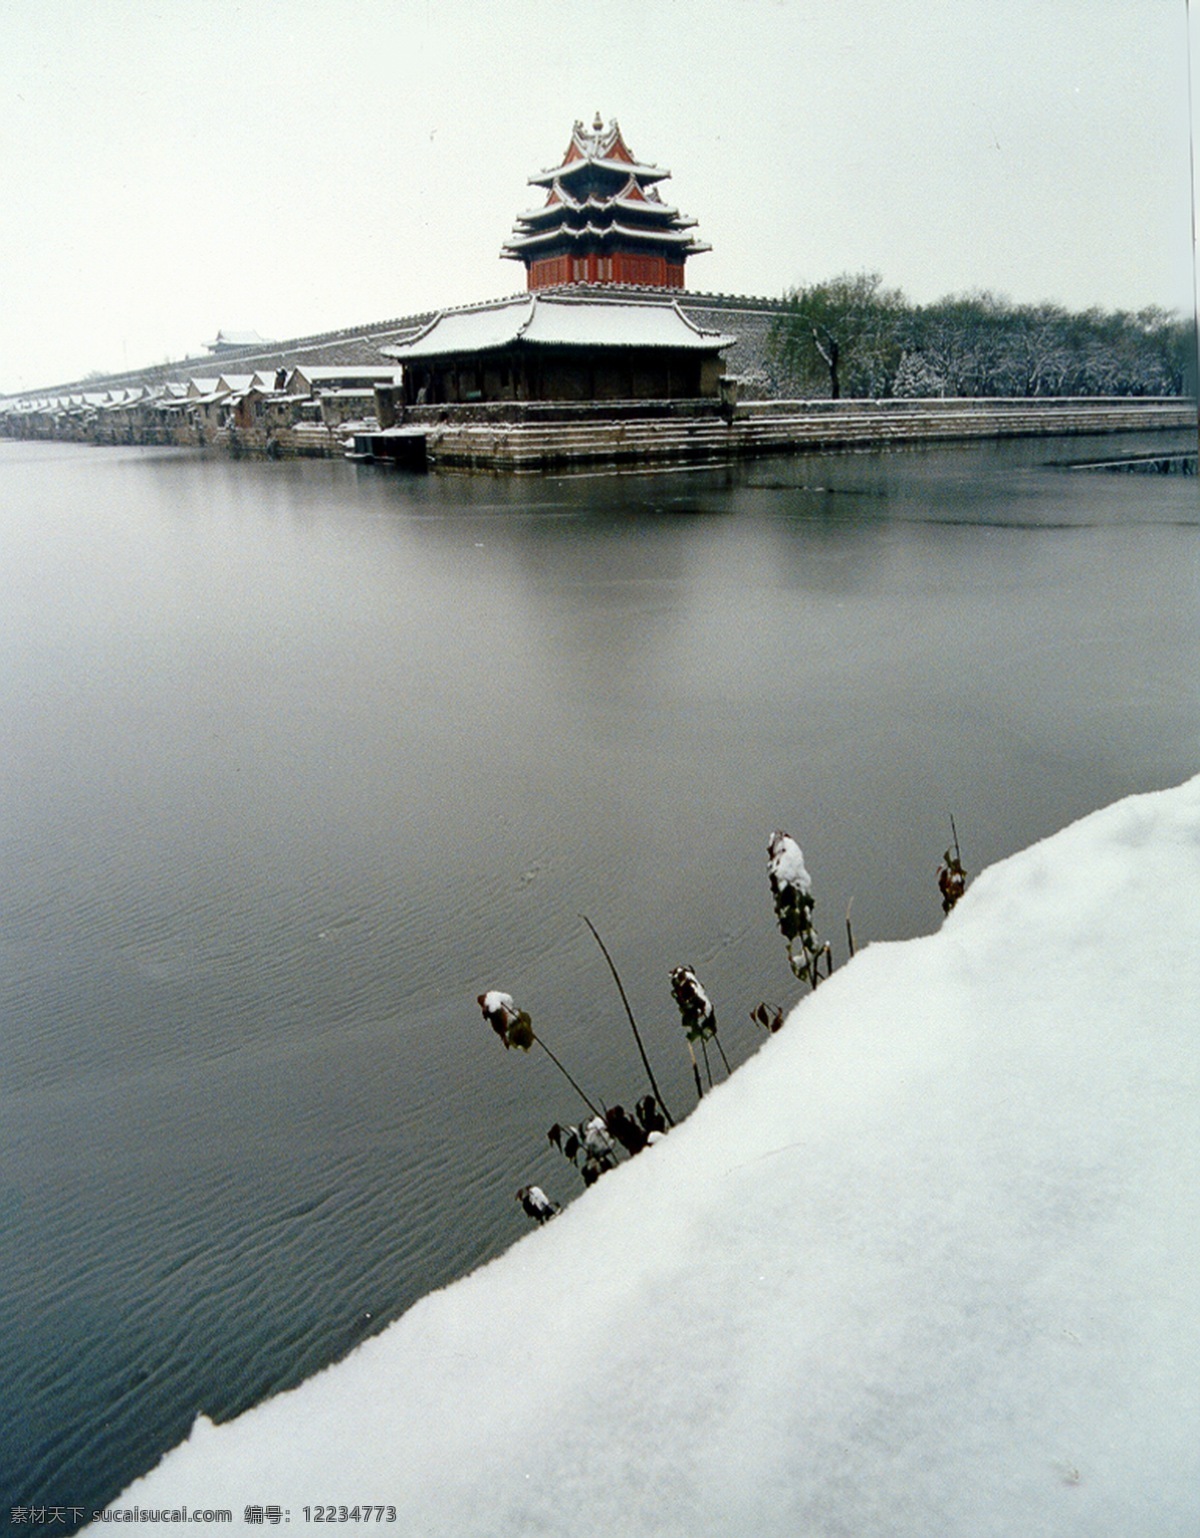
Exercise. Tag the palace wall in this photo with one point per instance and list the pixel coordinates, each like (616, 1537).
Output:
(744, 317)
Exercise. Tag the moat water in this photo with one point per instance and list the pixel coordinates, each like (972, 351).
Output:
(300, 757)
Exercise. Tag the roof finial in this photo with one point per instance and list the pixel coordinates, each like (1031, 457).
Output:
(598, 124)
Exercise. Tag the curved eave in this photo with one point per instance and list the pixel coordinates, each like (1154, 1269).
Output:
(536, 344)
(654, 210)
(640, 208)
(677, 240)
(622, 168)
(485, 329)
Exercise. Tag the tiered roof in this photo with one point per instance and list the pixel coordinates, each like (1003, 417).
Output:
(602, 203)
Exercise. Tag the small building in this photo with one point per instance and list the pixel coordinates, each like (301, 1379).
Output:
(243, 409)
(308, 379)
(171, 409)
(603, 220)
(236, 341)
(123, 418)
(203, 403)
(236, 384)
(552, 346)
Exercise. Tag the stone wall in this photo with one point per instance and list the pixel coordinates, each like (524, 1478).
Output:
(749, 360)
(354, 345)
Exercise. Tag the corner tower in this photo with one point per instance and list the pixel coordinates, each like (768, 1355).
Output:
(603, 220)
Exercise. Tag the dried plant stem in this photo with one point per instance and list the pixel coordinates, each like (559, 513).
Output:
(695, 1071)
(849, 931)
(566, 1075)
(637, 1035)
(724, 1059)
(707, 1064)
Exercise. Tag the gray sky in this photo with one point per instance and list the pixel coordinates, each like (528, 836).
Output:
(171, 168)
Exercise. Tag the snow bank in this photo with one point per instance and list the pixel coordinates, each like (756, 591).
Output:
(927, 1265)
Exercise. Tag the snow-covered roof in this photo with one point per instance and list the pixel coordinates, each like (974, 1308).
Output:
(559, 320)
(638, 215)
(384, 374)
(238, 339)
(627, 197)
(255, 388)
(600, 147)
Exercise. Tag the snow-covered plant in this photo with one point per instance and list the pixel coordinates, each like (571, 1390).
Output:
(695, 1007)
(791, 889)
(951, 877)
(512, 1025)
(592, 1142)
(515, 1029)
(536, 1204)
(596, 1142)
(699, 1020)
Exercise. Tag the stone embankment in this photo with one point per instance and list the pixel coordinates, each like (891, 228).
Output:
(767, 427)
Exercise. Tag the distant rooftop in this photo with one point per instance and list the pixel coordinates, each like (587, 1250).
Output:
(228, 341)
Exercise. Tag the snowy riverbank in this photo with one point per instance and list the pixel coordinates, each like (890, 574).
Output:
(927, 1264)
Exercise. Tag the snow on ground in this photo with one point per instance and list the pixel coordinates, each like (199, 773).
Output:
(928, 1264)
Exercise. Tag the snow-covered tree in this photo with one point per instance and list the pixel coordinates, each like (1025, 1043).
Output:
(840, 335)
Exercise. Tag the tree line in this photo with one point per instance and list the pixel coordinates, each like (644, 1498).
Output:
(852, 336)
